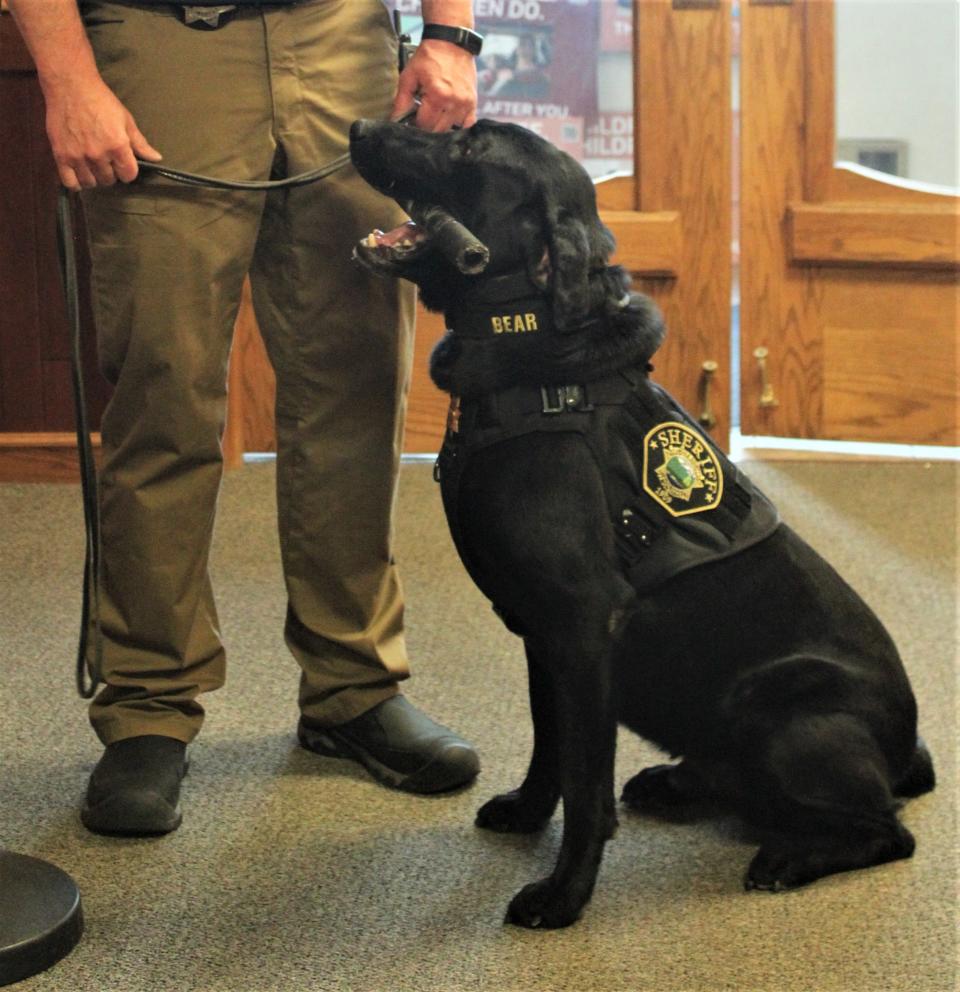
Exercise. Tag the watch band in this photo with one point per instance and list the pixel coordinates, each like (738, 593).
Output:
(463, 38)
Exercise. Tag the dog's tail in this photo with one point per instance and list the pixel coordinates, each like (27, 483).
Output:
(919, 776)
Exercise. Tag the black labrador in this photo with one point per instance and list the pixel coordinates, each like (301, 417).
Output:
(651, 582)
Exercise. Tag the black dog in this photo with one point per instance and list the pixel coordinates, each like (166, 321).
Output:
(651, 582)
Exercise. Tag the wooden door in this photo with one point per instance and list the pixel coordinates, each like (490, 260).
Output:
(671, 218)
(849, 283)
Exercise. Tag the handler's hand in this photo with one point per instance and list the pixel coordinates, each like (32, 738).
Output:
(444, 78)
(94, 138)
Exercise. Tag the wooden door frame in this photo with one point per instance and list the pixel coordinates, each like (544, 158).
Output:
(808, 223)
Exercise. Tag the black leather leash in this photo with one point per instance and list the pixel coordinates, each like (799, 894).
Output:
(90, 611)
(303, 179)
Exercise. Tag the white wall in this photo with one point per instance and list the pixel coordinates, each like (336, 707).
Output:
(898, 77)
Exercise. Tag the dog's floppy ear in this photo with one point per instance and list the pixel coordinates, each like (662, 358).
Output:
(575, 248)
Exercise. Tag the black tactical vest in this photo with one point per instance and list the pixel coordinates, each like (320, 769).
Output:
(675, 501)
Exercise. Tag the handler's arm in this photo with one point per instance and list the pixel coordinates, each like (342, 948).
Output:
(93, 136)
(443, 75)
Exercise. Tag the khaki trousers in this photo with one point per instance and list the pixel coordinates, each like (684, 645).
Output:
(272, 91)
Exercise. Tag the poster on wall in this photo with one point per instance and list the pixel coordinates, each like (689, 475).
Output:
(556, 67)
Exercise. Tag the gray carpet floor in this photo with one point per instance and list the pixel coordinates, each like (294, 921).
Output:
(293, 872)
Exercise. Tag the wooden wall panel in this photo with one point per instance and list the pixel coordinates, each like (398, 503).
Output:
(35, 392)
(890, 371)
(21, 397)
(251, 389)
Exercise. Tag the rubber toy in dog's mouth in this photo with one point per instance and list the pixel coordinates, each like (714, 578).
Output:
(432, 227)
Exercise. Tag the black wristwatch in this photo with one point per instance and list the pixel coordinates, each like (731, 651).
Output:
(463, 38)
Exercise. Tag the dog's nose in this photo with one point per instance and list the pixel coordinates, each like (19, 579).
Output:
(360, 129)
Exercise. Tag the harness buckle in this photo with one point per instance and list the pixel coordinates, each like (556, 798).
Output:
(564, 399)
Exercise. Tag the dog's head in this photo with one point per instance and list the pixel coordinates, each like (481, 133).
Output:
(532, 205)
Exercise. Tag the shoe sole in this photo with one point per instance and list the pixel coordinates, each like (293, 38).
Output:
(455, 767)
(132, 815)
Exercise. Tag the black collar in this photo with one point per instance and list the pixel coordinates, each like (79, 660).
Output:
(501, 306)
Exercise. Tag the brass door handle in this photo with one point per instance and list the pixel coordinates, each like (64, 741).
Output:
(766, 389)
(707, 418)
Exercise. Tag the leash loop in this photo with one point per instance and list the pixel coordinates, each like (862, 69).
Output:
(89, 672)
(290, 182)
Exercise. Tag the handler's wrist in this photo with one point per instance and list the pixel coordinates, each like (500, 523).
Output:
(465, 38)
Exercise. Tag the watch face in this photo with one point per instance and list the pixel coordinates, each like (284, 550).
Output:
(471, 42)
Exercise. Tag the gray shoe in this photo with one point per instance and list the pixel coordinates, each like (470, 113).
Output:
(400, 747)
(135, 789)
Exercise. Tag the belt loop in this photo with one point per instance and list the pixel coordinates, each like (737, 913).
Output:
(549, 404)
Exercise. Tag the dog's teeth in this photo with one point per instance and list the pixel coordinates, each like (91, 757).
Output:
(370, 240)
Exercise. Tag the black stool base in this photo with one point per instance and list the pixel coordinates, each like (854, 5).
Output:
(41, 919)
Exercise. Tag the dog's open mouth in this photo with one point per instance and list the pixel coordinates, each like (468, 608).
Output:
(391, 249)
(433, 228)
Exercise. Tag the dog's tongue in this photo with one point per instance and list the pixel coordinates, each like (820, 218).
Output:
(407, 233)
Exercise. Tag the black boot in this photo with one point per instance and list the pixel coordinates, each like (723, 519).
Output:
(400, 747)
(135, 788)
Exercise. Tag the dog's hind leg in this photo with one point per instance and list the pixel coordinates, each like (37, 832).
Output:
(919, 776)
(681, 791)
(829, 799)
(529, 807)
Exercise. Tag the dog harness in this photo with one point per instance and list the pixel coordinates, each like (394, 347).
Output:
(675, 501)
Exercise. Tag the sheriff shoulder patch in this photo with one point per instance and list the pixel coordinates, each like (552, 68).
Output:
(680, 470)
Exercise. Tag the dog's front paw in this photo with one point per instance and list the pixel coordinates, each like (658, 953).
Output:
(516, 813)
(543, 905)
